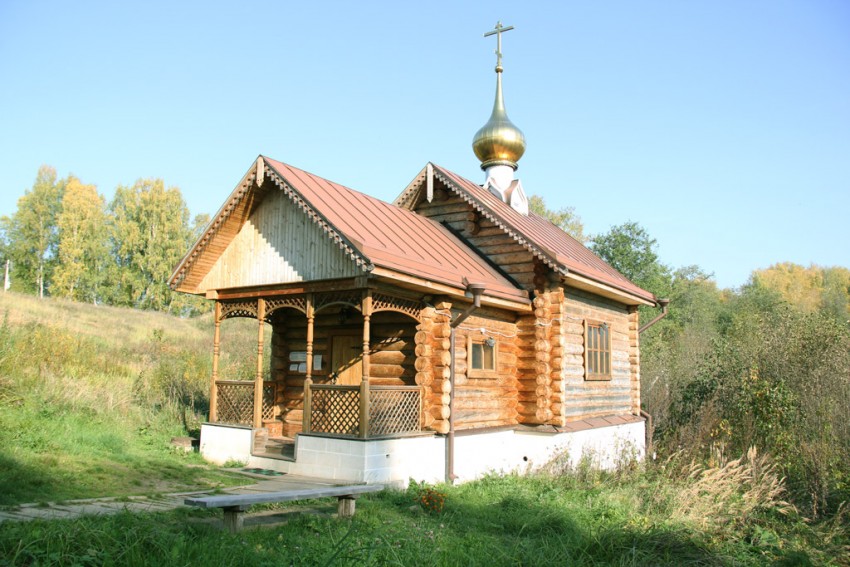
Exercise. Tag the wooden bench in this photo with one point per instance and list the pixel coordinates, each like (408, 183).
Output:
(235, 505)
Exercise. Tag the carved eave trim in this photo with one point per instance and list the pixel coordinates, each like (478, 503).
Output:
(384, 302)
(423, 285)
(212, 229)
(299, 303)
(256, 175)
(410, 196)
(231, 309)
(360, 260)
(352, 299)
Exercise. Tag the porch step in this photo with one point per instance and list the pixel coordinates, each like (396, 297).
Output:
(261, 437)
(280, 448)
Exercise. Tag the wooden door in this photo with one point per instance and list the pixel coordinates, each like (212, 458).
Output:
(346, 359)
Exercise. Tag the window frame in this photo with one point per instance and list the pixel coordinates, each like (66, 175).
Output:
(472, 372)
(591, 326)
(320, 370)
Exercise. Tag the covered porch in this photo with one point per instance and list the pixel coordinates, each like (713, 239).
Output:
(343, 364)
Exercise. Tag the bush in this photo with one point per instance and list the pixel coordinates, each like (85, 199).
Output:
(776, 378)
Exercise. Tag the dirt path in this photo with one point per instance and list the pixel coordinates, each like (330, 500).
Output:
(159, 503)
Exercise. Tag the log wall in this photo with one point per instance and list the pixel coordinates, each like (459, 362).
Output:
(634, 357)
(540, 375)
(432, 365)
(491, 240)
(489, 401)
(581, 399)
(539, 370)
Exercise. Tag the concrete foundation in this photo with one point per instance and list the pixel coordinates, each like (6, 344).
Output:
(423, 458)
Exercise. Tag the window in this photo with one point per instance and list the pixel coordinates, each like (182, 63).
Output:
(298, 361)
(483, 356)
(597, 350)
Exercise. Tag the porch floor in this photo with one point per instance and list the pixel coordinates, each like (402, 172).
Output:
(281, 448)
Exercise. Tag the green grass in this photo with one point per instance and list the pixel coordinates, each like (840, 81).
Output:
(542, 520)
(90, 397)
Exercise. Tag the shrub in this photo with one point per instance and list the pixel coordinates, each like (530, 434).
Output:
(430, 498)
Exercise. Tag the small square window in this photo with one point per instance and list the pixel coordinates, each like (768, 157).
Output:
(597, 350)
(483, 356)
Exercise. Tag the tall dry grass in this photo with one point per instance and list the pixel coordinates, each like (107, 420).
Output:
(113, 359)
(728, 494)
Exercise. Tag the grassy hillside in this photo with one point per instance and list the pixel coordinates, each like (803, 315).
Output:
(90, 397)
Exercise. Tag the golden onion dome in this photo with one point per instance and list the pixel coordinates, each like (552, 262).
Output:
(499, 141)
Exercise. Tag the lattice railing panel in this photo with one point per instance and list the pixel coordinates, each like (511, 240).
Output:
(394, 410)
(235, 402)
(268, 400)
(335, 409)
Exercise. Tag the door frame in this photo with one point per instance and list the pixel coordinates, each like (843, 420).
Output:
(332, 339)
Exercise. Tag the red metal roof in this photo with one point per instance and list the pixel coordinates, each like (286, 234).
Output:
(395, 238)
(550, 242)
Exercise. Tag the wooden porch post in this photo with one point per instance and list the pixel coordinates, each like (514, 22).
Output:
(258, 381)
(216, 353)
(308, 378)
(364, 382)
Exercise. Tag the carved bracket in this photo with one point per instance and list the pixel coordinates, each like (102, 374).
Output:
(381, 302)
(299, 303)
(238, 309)
(348, 298)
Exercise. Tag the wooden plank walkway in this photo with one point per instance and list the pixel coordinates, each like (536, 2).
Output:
(104, 506)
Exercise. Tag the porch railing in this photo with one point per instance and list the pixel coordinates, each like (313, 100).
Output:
(345, 411)
(235, 402)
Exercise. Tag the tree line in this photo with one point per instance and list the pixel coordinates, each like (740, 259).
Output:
(766, 366)
(66, 240)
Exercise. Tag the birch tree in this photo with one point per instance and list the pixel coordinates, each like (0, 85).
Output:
(149, 232)
(83, 250)
(33, 234)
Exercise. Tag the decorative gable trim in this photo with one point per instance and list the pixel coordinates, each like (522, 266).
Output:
(212, 229)
(255, 176)
(408, 198)
(360, 260)
(592, 276)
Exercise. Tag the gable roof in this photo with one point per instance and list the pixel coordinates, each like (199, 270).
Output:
(544, 240)
(373, 233)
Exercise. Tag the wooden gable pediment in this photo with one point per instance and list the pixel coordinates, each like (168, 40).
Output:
(266, 233)
(430, 195)
(278, 244)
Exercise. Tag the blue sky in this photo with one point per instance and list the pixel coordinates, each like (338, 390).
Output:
(722, 127)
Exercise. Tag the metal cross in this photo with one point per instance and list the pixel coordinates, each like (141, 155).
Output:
(498, 33)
